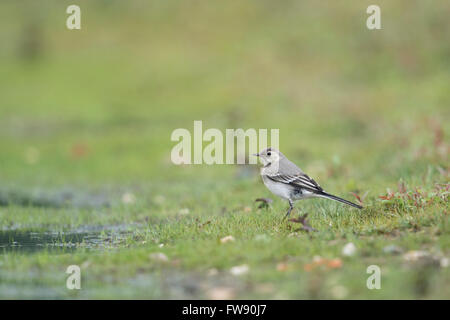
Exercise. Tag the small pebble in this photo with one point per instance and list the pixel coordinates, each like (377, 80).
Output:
(239, 270)
(227, 239)
(349, 250)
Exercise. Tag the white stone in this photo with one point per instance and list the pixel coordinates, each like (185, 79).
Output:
(239, 270)
(349, 249)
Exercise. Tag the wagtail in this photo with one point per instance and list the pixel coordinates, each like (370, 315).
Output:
(284, 179)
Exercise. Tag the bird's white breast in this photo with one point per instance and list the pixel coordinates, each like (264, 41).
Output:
(280, 189)
(286, 191)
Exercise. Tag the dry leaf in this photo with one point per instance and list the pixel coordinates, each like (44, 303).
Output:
(324, 263)
(334, 263)
(357, 197)
(305, 222)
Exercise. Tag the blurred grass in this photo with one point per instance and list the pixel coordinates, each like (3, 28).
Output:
(94, 110)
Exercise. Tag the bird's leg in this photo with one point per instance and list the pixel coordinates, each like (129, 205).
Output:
(291, 206)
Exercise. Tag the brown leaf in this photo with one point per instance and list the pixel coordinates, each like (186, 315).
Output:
(334, 263)
(302, 219)
(323, 263)
(357, 197)
(388, 196)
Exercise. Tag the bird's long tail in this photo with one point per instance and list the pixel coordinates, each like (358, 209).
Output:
(330, 196)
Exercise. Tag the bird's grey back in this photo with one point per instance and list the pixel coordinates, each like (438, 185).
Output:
(283, 167)
(289, 168)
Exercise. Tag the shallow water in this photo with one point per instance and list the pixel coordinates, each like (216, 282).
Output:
(61, 198)
(32, 241)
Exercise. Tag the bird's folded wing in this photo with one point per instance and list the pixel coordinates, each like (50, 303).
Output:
(300, 181)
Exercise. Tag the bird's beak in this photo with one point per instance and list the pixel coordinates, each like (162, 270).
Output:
(255, 154)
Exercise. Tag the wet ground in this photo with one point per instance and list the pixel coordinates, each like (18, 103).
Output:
(88, 238)
(66, 197)
(32, 239)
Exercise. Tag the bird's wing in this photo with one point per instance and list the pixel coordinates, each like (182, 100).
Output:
(297, 180)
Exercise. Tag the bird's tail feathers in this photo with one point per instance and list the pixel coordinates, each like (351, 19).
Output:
(330, 196)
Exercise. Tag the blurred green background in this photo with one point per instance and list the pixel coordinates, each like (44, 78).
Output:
(94, 109)
(117, 88)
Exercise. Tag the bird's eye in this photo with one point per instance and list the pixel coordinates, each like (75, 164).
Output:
(269, 153)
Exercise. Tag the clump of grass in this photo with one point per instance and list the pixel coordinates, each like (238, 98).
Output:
(410, 199)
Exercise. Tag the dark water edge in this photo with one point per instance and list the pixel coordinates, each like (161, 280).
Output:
(21, 241)
(64, 198)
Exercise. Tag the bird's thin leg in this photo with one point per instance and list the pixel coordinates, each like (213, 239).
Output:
(291, 206)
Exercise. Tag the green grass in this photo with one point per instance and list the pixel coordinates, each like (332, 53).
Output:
(89, 113)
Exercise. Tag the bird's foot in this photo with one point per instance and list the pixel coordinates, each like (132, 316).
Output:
(291, 207)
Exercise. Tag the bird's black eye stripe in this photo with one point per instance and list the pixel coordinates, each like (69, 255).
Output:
(269, 153)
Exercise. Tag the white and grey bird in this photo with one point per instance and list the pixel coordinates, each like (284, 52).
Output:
(286, 180)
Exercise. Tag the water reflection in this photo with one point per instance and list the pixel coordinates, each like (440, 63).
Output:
(31, 241)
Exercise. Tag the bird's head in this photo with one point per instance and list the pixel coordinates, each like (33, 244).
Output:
(269, 156)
